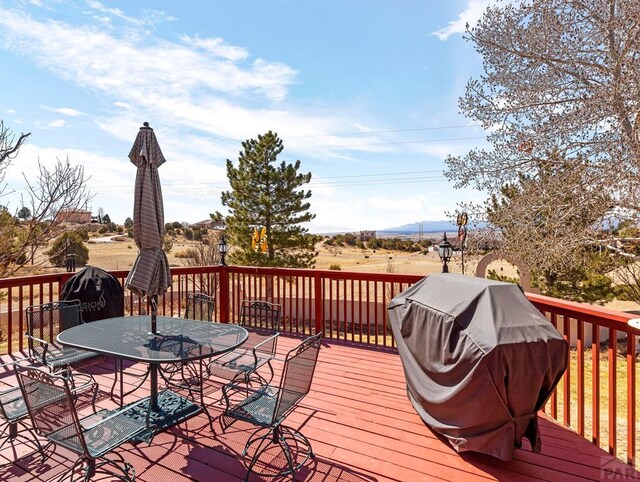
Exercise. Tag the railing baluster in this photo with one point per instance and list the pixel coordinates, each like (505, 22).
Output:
(613, 351)
(595, 384)
(319, 302)
(566, 400)
(353, 310)
(360, 337)
(580, 373)
(631, 398)
(10, 321)
(554, 395)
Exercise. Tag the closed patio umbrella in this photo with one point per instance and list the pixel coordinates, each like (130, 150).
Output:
(150, 275)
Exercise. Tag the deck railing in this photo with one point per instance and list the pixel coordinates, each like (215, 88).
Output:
(596, 396)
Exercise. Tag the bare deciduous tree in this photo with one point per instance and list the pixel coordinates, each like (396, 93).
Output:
(9, 148)
(61, 188)
(561, 87)
(204, 253)
(560, 76)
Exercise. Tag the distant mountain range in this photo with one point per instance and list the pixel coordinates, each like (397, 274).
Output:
(427, 227)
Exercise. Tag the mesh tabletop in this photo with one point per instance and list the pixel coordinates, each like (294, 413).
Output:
(176, 339)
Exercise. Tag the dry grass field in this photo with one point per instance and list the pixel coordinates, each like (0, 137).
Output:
(120, 254)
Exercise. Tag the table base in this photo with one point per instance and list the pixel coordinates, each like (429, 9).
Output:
(172, 409)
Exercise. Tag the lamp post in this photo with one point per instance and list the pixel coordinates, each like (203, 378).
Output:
(222, 249)
(445, 250)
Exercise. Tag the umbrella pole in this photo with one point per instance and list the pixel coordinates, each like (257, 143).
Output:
(154, 310)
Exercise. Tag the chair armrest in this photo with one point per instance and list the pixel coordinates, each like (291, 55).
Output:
(17, 361)
(244, 388)
(266, 346)
(45, 345)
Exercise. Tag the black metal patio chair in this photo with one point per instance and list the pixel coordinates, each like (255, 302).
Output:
(44, 323)
(268, 407)
(262, 321)
(13, 412)
(50, 403)
(200, 306)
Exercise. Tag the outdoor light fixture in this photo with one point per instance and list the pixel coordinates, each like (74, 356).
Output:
(445, 250)
(222, 249)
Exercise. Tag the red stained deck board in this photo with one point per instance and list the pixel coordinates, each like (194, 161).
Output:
(359, 420)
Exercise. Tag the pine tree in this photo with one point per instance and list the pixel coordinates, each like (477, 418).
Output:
(268, 197)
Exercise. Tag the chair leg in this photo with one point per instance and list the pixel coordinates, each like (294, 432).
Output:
(127, 470)
(118, 469)
(115, 378)
(90, 471)
(283, 437)
(287, 452)
(94, 397)
(265, 441)
(15, 434)
(123, 394)
(70, 472)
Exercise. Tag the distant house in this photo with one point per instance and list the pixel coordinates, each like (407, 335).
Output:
(367, 235)
(79, 216)
(209, 224)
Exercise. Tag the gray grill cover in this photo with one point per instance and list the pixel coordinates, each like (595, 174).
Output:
(101, 295)
(479, 359)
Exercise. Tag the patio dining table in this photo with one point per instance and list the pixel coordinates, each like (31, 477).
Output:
(177, 340)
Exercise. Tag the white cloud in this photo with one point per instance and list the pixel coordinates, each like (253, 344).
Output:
(146, 79)
(64, 111)
(56, 123)
(124, 68)
(217, 47)
(471, 14)
(149, 18)
(10, 111)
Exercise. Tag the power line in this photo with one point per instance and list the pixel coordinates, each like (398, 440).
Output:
(222, 138)
(320, 182)
(206, 187)
(384, 174)
(339, 146)
(379, 182)
(389, 131)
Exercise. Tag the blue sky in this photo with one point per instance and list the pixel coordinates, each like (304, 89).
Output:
(363, 92)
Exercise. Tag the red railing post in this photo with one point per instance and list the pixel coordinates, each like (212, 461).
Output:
(224, 294)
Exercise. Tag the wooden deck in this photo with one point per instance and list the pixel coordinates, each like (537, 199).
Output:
(360, 423)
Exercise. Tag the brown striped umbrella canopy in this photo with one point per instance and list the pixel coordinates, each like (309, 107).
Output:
(150, 274)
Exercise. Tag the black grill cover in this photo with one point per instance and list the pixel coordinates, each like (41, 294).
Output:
(100, 294)
(479, 359)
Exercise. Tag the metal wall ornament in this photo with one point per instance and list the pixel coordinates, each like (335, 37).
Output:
(461, 221)
(259, 240)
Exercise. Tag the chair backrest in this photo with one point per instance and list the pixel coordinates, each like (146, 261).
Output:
(46, 321)
(51, 407)
(199, 307)
(297, 374)
(261, 315)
